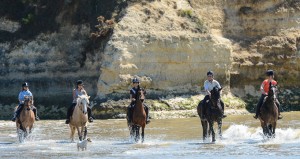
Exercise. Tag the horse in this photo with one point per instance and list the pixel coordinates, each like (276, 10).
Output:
(212, 113)
(138, 117)
(26, 119)
(79, 118)
(269, 113)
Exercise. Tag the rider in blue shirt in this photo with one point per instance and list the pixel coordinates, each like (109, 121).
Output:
(25, 92)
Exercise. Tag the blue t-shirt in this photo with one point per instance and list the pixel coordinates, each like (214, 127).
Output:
(22, 95)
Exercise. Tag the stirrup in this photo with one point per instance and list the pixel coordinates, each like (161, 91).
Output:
(279, 117)
(37, 118)
(255, 116)
(67, 121)
(224, 116)
(148, 121)
(13, 119)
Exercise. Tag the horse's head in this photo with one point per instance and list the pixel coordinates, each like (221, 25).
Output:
(272, 91)
(216, 93)
(82, 102)
(28, 101)
(140, 93)
(215, 96)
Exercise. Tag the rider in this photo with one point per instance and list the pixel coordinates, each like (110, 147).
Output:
(264, 88)
(209, 84)
(78, 91)
(24, 92)
(133, 91)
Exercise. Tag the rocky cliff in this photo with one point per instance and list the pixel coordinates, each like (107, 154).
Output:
(168, 44)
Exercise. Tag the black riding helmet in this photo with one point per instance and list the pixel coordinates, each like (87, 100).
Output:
(210, 73)
(79, 82)
(135, 80)
(25, 84)
(270, 73)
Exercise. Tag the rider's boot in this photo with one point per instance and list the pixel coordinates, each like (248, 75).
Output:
(90, 116)
(35, 113)
(147, 114)
(129, 116)
(70, 112)
(279, 109)
(14, 118)
(17, 112)
(222, 109)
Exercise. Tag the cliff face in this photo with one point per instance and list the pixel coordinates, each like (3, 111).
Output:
(47, 44)
(169, 45)
(239, 40)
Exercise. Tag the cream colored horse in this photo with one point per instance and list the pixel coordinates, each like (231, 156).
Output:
(26, 119)
(79, 118)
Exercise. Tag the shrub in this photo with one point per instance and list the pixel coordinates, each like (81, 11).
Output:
(105, 27)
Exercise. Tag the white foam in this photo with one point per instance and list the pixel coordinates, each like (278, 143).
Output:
(244, 134)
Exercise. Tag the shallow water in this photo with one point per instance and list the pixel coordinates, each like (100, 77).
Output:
(166, 138)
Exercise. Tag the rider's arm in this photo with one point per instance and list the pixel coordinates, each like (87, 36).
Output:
(131, 97)
(262, 88)
(20, 98)
(206, 88)
(74, 95)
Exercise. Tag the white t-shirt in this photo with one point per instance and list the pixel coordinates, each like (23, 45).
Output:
(210, 85)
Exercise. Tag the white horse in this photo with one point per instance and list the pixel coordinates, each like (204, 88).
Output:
(79, 118)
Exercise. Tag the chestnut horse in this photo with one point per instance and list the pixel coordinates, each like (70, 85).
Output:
(269, 113)
(26, 119)
(79, 118)
(138, 117)
(212, 113)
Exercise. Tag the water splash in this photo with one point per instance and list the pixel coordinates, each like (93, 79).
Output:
(237, 134)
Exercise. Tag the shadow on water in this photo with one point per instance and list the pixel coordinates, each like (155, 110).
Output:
(65, 142)
(6, 143)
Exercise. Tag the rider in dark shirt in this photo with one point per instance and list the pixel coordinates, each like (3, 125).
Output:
(133, 92)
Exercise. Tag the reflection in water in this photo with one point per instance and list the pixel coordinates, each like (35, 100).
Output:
(168, 138)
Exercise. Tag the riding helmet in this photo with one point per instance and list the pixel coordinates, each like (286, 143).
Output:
(79, 82)
(210, 73)
(135, 80)
(270, 73)
(25, 84)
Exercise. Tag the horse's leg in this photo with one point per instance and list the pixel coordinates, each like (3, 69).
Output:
(137, 134)
(72, 133)
(263, 126)
(211, 126)
(30, 129)
(220, 128)
(85, 132)
(25, 133)
(79, 133)
(270, 130)
(143, 128)
(204, 129)
(274, 127)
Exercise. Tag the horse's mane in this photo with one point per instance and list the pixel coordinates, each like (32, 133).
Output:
(80, 97)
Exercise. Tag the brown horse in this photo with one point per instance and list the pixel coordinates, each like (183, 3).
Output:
(269, 113)
(138, 117)
(212, 113)
(26, 119)
(79, 118)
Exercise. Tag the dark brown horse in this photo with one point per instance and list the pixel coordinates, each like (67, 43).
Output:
(269, 113)
(212, 113)
(138, 117)
(26, 119)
